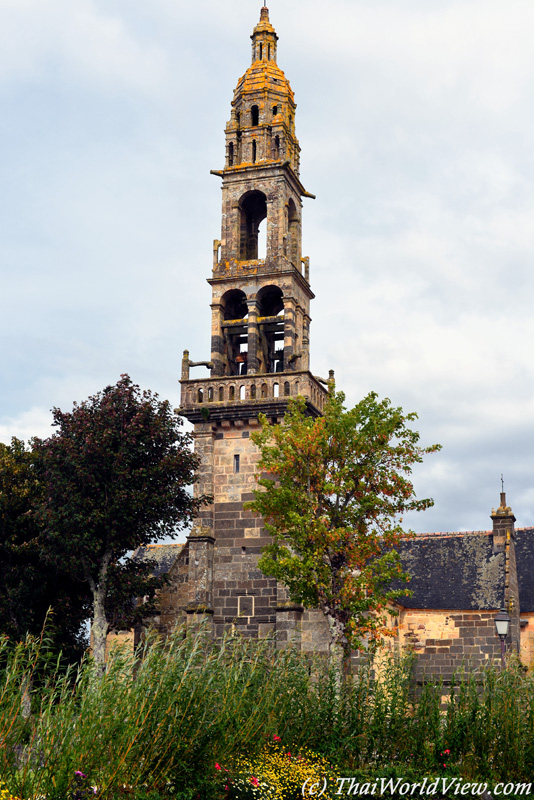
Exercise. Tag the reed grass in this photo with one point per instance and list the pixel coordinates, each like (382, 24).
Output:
(159, 720)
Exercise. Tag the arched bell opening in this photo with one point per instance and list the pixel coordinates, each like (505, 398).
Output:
(231, 154)
(254, 116)
(235, 331)
(270, 300)
(253, 207)
(234, 304)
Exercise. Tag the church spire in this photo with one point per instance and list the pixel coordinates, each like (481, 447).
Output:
(264, 39)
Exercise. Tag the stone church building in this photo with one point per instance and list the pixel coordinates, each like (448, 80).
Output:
(260, 358)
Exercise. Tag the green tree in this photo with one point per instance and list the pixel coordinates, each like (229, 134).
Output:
(29, 586)
(332, 493)
(115, 476)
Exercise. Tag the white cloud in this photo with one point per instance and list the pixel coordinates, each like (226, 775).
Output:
(32, 422)
(414, 120)
(42, 41)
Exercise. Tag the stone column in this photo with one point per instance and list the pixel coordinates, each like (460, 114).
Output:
(199, 610)
(289, 331)
(217, 340)
(305, 360)
(204, 438)
(288, 620)
(252, 338)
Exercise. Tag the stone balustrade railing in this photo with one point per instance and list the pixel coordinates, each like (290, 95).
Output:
(252, 388)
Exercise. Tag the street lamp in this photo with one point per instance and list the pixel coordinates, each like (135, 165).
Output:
(502, 623)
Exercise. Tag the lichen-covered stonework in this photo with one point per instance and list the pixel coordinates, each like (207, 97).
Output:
(259, 361)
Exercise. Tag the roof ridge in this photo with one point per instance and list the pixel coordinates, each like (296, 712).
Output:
(450, 533)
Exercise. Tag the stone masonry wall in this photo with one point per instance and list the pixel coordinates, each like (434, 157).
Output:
(527, 639)
(242, 596)
(175, 596)
(444, 641)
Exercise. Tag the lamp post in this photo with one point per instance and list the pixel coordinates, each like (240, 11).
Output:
(502, 623)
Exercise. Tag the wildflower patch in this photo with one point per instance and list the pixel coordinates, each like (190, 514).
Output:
(279, 772)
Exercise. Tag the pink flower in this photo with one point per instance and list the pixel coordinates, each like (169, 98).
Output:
(217, 766)
(277, 738)
(79, 774)
(254, 781)
(447, 752)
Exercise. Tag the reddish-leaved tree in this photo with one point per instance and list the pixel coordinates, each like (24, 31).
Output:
(115, 477)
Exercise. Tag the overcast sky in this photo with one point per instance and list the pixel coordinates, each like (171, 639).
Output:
(415, 120)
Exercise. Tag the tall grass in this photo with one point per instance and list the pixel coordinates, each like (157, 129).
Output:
(162, 718)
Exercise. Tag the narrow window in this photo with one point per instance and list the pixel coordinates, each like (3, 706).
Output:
(253, 392)
(242, 392)
(236, 463)
(200, 396)
(255, 115)
(261, 52)
(264, 390)
(232, 392)
(254, 149)
(269, 52)
(275, 111)
(277, 146)
(210, 395)
(276, 390)
(286, 389)
(238, 118)
(231, 154)
(221, 394)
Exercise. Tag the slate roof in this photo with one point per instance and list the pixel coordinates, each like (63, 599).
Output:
(163, 554)
(453, 571)
(524, 556)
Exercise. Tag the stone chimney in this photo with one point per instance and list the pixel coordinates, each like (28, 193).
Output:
(503, 523)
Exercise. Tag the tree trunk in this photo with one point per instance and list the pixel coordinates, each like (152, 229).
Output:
(338, 650)
(100, 626)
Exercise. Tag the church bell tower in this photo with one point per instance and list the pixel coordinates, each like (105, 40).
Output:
(259, 343)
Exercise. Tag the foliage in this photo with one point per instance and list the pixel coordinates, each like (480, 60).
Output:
(115, 473)
(155, 724)
(28, 585)
(331, 493)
